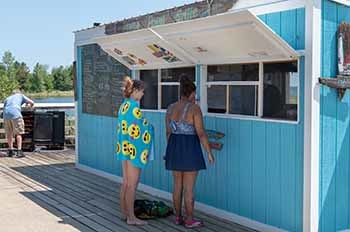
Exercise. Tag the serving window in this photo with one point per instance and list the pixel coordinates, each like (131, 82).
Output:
(233, 89)
(265, 90)
(150, 97)
(281, 84)
(262, 90)
(163, 88)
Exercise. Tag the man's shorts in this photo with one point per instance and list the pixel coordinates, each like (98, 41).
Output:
(14, 127)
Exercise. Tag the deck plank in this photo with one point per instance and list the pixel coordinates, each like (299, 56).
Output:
(72, 199)
(213, 223)
(88, 201)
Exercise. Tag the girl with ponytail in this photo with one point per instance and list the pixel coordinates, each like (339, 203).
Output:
(134, 146)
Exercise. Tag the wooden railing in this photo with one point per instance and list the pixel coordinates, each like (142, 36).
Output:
(69, 121)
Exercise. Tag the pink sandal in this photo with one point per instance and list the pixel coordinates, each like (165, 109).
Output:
(193, 224)
(179, 220)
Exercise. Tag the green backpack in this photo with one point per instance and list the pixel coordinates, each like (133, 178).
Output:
(146, 209)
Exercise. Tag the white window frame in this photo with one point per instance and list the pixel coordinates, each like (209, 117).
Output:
(203, 93)
(259, 83)
(233, 83)
(160, 85)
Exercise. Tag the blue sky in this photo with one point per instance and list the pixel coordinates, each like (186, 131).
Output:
(42, 31)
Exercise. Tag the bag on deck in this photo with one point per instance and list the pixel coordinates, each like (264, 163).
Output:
(146, 209)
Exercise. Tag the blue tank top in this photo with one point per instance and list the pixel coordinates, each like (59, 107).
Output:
(181, 127)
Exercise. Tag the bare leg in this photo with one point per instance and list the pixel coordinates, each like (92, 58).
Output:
(133, 174)
(189, 180)
(123, 190)
(19, 142)
(10, 141)
(177, 193)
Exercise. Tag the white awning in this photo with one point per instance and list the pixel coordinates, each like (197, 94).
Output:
(141, 49)
(238, 37)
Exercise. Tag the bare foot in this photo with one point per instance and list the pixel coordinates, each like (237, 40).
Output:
(136, 222)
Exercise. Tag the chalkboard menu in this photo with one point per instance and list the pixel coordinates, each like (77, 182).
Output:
(102, 80)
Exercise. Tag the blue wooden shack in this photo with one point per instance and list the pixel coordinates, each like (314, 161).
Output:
(285, 161)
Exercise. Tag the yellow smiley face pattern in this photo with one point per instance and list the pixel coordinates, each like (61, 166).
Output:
(132, 151)
(118, 148)
(124, 127)
(125, 107)
(134, 131)
(134, 134)
(137, 113)
(146, 137)
(125, 148)
(144, 156)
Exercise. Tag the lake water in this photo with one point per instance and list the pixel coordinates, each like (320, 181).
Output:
(54, 100)
(69, 112)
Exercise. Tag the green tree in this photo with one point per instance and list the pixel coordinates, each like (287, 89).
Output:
(8, 61)
(2, 69)
(48, 82)
(6, 86)
(22, 74)
(63, 78)
(37, 79)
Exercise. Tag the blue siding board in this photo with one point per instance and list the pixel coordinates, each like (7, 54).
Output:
(334, 129)
(210, 174)
(273, 20)
(262, 18)
(343, 13)
(234, 172)
(329, 24)
(288, 176)
(273, 175)
(342, 159)
(328, 161)
(300, 36)
(289, 27)
(259, 167)
(245, 162)
(222, 161)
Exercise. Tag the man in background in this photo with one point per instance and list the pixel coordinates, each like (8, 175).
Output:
(13, 121)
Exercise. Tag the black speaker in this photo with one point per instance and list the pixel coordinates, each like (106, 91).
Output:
(49, 128)
(58, 127)
(43, 128)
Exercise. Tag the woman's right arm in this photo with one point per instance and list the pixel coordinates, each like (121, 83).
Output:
(198, 124)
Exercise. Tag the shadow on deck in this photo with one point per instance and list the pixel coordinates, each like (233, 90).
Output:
(82, 200)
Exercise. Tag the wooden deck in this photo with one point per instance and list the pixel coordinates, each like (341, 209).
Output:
(82, 200)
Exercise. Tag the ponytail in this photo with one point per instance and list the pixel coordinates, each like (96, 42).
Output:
(131, 85)
(127, 87)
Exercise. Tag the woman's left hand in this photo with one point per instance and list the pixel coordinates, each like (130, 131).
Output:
(211, 158)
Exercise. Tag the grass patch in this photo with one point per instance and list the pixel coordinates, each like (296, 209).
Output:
(50, 94)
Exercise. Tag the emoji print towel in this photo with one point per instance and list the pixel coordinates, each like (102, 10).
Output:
(134, 134)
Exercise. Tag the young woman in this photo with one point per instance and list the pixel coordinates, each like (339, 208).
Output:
(184, 157)
(134, 142)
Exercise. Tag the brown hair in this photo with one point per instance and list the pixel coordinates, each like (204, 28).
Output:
(187, 87)
(131, 85)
